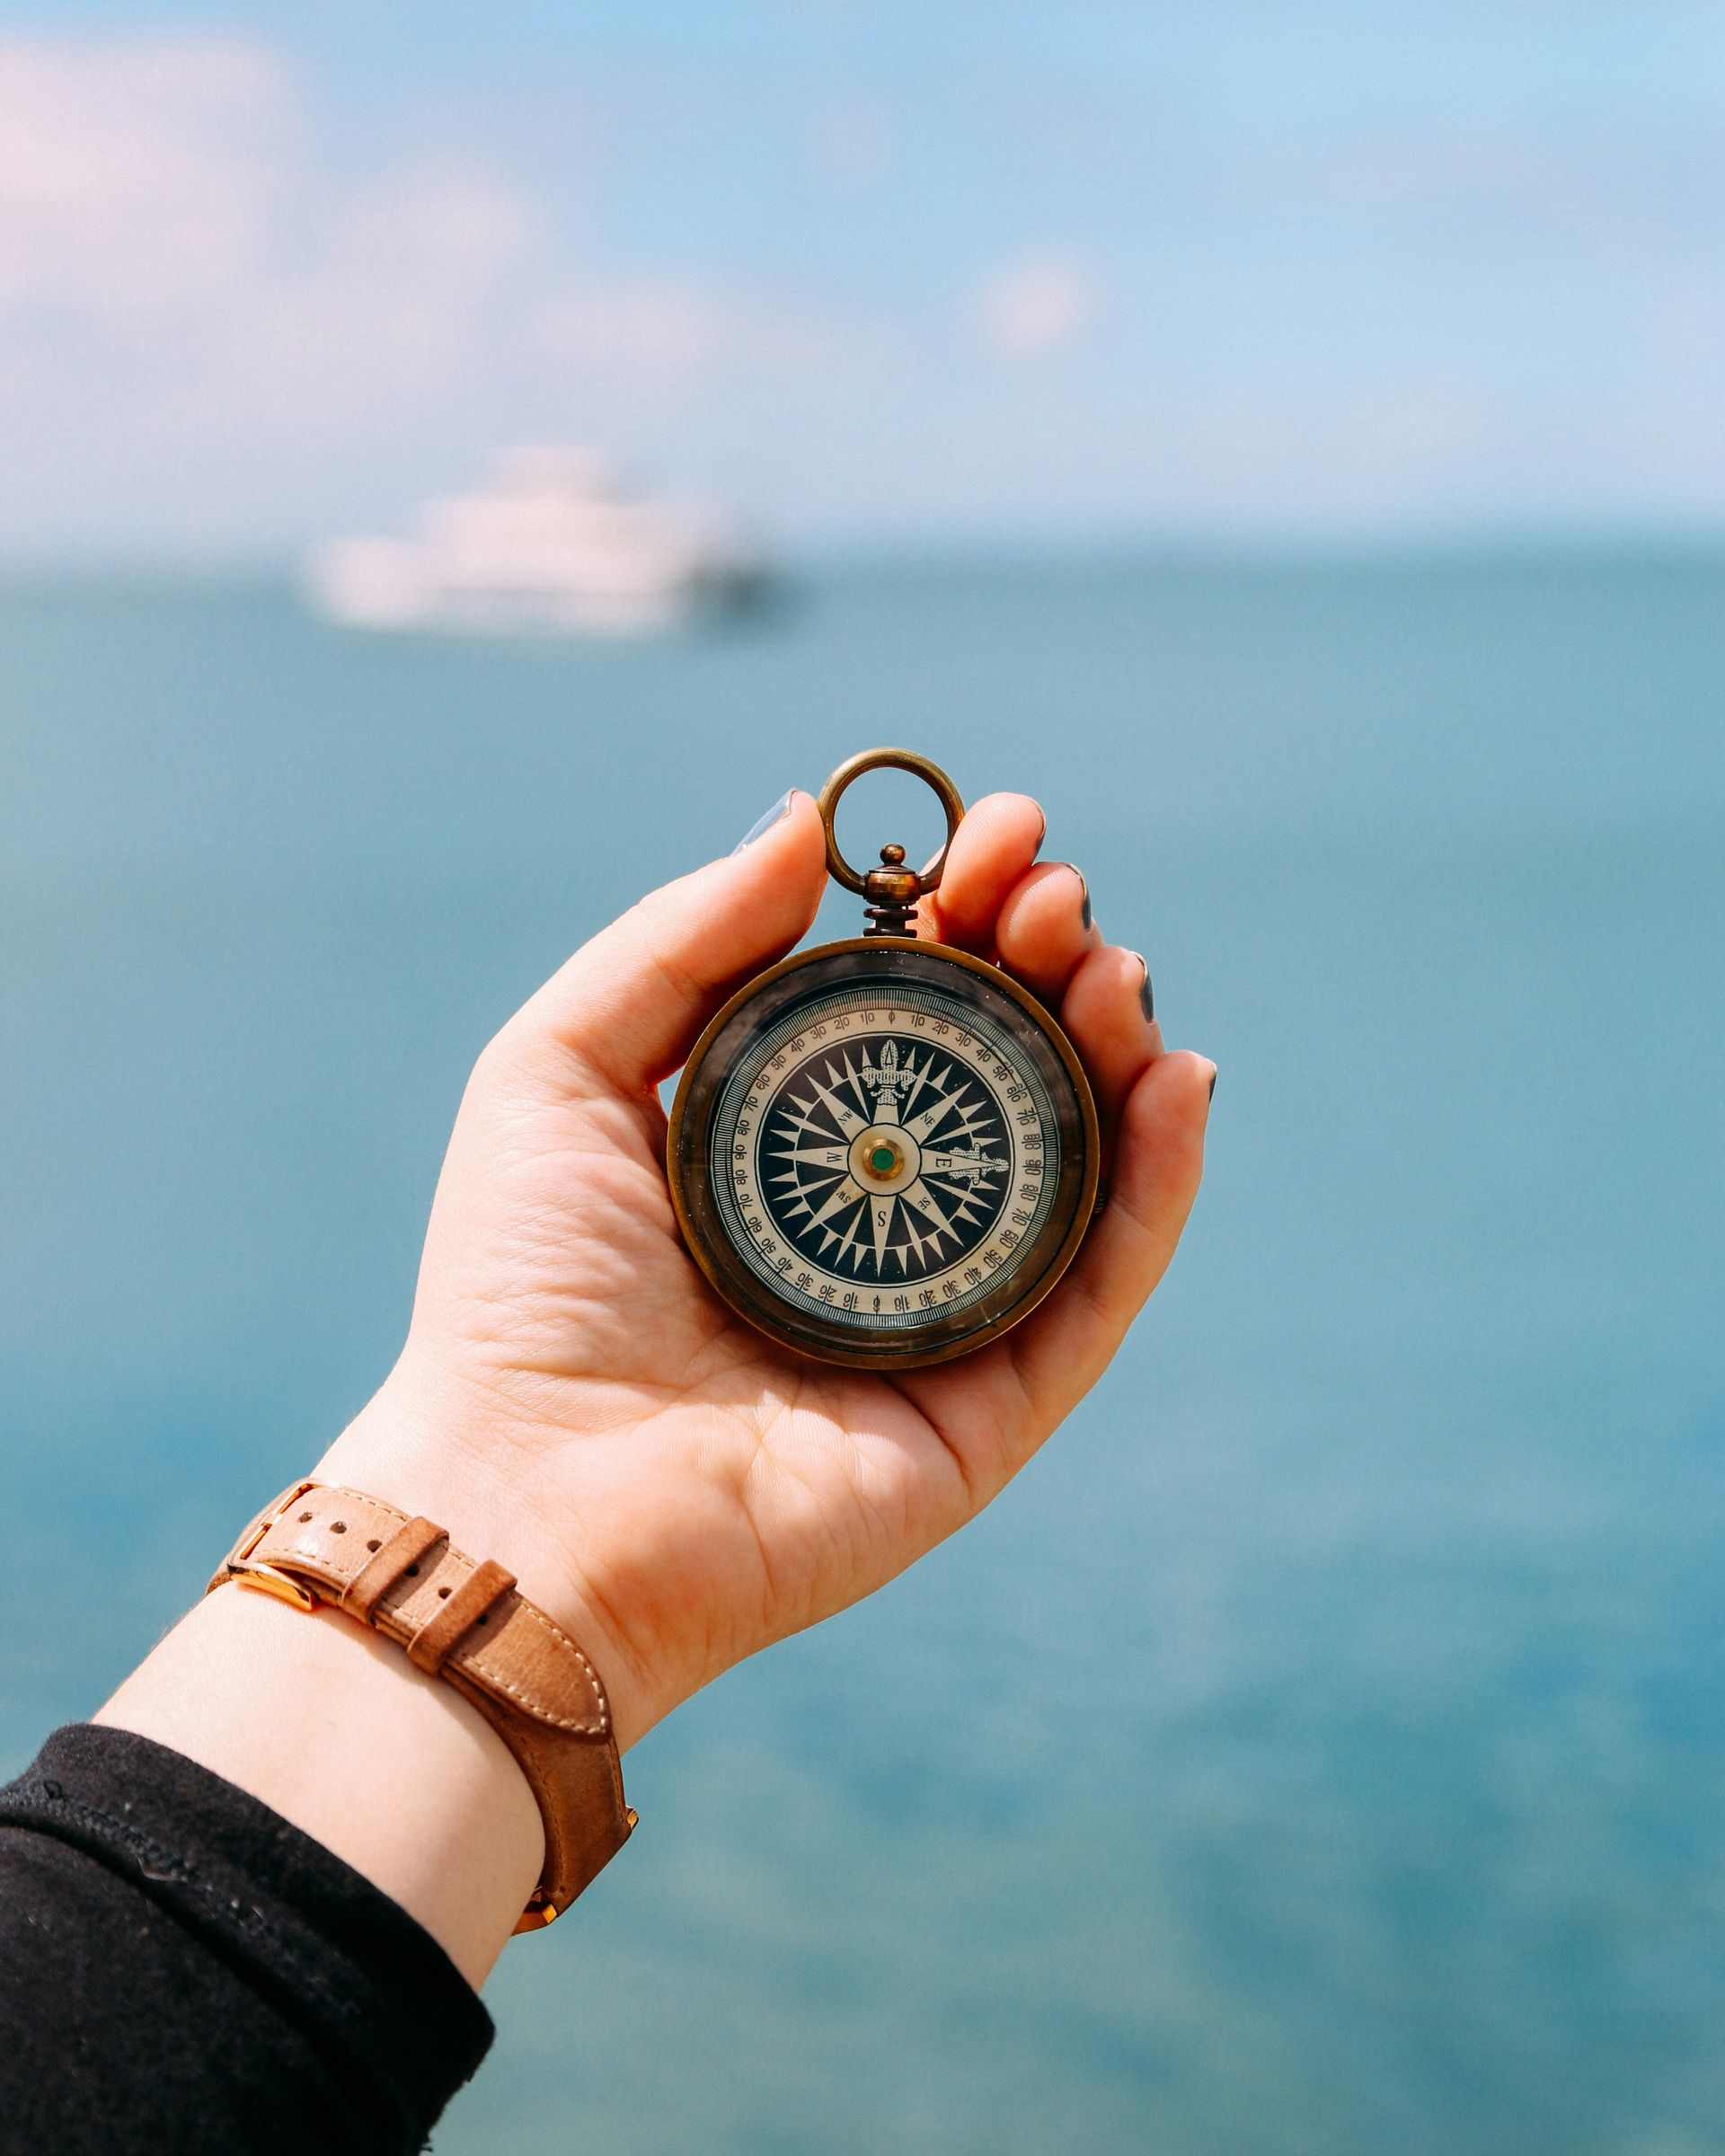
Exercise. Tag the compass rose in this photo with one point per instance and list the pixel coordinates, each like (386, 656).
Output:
(887, 1168)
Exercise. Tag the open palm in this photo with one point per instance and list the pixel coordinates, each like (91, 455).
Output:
(573, 1396)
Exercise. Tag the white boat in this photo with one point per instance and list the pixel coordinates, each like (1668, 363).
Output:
(553, 543)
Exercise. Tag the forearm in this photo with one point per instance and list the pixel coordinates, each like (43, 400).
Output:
(335, 1730)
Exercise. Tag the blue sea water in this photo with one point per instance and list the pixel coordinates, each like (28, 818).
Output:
(1320, 1749)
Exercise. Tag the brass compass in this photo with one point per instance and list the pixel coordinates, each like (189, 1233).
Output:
(883, 1151)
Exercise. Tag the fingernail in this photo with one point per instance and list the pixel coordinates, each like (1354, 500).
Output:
(1036, 851)
(1084, 900)
(1146, 994)
(781, 808)
(1212, 1085)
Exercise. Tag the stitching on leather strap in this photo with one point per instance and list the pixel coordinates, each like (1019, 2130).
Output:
(380, 1571)
(487, 1583)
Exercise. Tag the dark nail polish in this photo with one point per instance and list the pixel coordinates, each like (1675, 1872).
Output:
(1083, 908)
(1212, 1085)
(1147, 996)
(780, 809)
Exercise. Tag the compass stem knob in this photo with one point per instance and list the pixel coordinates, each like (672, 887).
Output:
(892, 891)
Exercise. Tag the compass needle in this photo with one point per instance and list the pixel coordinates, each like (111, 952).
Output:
(920, 1196)
(847, 1194)
(849, 1122)
(921, 1079)
(826, 1157)
(847, 1118)
(882, 1221)
(960, 1164)
(923, 1125)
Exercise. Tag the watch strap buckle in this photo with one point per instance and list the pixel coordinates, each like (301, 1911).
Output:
(268, 1579)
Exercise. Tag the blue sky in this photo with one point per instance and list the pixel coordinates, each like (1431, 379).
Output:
(946, 270)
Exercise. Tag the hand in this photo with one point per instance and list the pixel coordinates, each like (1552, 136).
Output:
(574, 1400)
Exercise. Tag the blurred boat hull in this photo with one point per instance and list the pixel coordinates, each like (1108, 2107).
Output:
(552, 547)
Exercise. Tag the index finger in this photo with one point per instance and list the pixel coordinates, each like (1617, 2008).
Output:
(994, 845)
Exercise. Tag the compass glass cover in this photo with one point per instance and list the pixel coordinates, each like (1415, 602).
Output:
(886, 1149)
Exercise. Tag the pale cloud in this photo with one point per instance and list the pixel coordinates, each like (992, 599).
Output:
(659, 333)
(1038, 304)
(163, 210)
(397, 296)
(134, 177)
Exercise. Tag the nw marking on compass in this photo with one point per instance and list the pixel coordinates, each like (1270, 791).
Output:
(867, 1178)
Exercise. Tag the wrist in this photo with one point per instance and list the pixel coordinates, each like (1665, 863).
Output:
(430, 1444)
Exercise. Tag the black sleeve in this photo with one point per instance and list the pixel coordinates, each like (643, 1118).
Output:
(183, 1970)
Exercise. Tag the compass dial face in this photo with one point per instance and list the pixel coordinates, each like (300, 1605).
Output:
(892, 1154)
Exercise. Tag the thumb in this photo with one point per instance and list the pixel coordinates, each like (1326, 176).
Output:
(630, 1003)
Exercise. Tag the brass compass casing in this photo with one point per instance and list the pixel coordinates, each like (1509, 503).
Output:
(837, 1227)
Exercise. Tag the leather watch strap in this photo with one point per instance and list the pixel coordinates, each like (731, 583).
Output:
(464, 1621)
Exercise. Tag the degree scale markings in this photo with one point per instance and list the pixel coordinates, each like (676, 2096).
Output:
(887, 1161)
